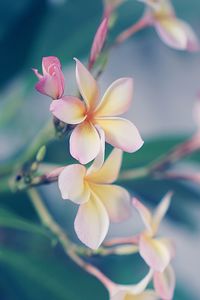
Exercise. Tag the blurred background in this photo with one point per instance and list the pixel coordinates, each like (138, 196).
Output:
(166, 85)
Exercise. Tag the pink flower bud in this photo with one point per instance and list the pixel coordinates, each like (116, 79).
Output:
(98, 42)
(51, 83)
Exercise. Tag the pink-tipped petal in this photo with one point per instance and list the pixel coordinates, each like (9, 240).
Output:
(192, 39)
(169, 244)
(99, 160)
(121, 133)
(84, 142)
(110, 170)
(68, 109)
(117, 98)
(48, 61)
(164, 283)
(155, 253)
(51, 83)
(161, 210)
(98, 42)
(60, 81)
(92, 222)
(115, 199)
(145, 214)
(172, 33)
(71, 184)
(87, 85)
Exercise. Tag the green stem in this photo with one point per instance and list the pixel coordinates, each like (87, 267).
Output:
(133, 174)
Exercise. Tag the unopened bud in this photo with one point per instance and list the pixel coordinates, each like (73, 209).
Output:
(41, 154)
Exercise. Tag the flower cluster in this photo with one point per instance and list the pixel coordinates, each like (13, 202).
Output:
(95, 121)
(100, 202)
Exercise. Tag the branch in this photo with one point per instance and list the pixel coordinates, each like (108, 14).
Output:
(69, 247)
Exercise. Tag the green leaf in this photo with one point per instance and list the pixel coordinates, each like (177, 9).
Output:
(9, 219)
(54, 277)
(47, 277)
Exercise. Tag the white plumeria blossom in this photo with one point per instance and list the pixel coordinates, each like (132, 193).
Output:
(157, 252)
(100, 201)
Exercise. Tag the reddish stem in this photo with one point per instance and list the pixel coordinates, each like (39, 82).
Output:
(142, 23)
(124, 240)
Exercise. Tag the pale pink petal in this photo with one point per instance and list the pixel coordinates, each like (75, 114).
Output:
(99, 160)
(69, 109)
(51, 85)
(92, 222)
(117, 98)
(161, 211)
(84, 142)
(115, 199)
(87, 85)
(58, 74)
(172, 33)
(110, 170)
(121, 133)
(192, 39)
(72, 185)
(155, 253)
(48, 61)
(164, 283)
(145, 214)
(98, 42)
(169, 244)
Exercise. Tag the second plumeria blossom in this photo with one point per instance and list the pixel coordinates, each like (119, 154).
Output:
(100, 201)
(91, 113)
(174, 32)
(157, 252)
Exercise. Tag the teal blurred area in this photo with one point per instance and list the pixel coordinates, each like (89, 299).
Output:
(33, 265)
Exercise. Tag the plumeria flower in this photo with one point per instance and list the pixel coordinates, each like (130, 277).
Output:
(100, 201)
(173, 32)
(134, 292)
(157, 252)
(51, 82)
(89, 114)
